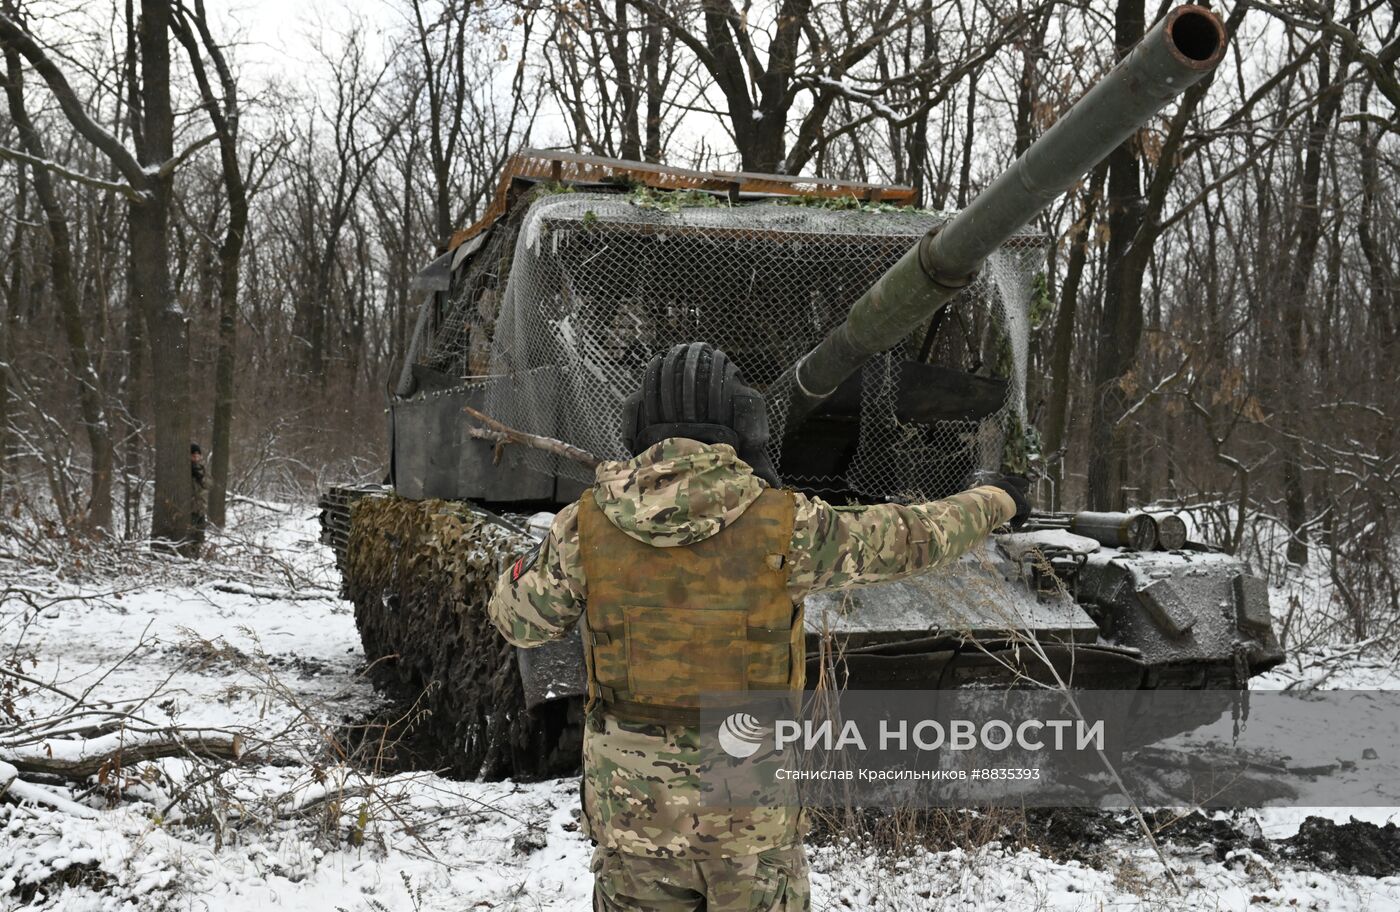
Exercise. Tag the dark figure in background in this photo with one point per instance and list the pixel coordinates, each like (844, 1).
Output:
(199, 499)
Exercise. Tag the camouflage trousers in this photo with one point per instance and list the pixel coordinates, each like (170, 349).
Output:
(193, 545)
(774, 880)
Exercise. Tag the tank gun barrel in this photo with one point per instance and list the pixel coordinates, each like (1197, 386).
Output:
(1177, 52)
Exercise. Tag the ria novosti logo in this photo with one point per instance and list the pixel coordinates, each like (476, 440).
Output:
(741, 735)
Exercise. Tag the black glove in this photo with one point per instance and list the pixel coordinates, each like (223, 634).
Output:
(1016, 486)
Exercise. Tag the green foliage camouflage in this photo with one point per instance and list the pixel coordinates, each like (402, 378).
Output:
(673, 200)
(644, 197)
(420, 574)
(1022, 453)
(852, 204)
(553, 188)
(1041, 305)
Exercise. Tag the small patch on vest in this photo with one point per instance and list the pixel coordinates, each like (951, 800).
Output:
(775, 561)
(525, 562)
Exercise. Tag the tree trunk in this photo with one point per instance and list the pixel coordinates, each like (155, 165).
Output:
(760, 130)
(1026, 88)
(969, 129)
(1120, 321)
(221, 441)
(628, 96)
(763, 150)
(167, 327)
(1308, 232)
(90, 394)
(129, 394)
(1134, 227)
(13, 285)
(1061, 372)
(1381, 284)
(651, 62)
(225, 124)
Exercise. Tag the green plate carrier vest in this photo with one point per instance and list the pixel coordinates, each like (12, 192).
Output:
(665, 625)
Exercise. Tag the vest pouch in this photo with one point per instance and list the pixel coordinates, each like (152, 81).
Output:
(675, 656)
(609, 658)
(769, 658)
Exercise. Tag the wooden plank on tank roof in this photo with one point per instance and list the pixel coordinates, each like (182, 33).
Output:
(598, 165)
(821, 186)
(574, 167)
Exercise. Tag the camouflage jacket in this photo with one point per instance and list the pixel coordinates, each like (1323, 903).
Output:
(199, 491)
(639, 780)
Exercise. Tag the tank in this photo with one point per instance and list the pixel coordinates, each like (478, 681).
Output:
(891, 344)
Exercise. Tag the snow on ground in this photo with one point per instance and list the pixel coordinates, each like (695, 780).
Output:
(1303, 600)
(255, 639)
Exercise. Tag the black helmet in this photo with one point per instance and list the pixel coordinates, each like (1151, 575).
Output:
(194, 448)
(695, 391)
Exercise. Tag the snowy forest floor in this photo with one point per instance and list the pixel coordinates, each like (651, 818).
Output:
(256, 640)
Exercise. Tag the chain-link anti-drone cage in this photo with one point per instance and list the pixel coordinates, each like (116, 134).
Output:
(564, 302)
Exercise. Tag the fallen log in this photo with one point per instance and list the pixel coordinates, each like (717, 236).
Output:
(278, 595)
(81, 758)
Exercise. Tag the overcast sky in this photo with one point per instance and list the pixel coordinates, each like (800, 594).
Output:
(278, 34)
(277, 42)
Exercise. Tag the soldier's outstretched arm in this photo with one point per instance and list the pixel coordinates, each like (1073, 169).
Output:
(541, 595)
(835, 547)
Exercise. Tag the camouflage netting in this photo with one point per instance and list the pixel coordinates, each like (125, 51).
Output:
(420, 574)
(557, 311)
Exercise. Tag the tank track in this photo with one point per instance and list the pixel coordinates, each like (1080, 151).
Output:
(429, 644)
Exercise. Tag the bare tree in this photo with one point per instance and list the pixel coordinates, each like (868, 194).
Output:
(1135, 224)
(192, 30)
(468, 137)
(91, 394)
(13, 275)
(146, 180)
(614, 70)
(760, 84)
(329, 186)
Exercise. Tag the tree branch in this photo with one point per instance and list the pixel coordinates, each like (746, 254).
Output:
(58, 170)
(1381, 67)
(169, 166)
(501, 434)
(697, 46)
(13, 34)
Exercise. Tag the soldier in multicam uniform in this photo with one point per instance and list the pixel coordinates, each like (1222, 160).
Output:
(679, 560)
